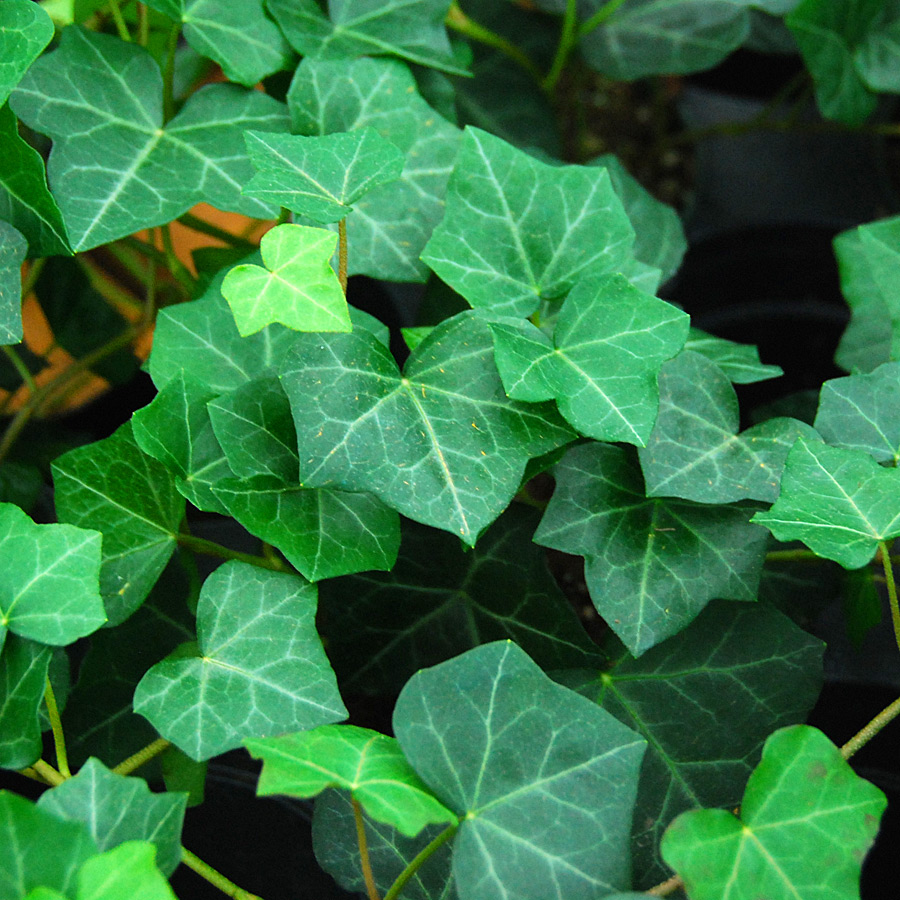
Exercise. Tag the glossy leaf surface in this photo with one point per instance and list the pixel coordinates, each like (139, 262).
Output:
(127, 872)
(25, 29)
(13, 247)
(23, 679)
(740, 362)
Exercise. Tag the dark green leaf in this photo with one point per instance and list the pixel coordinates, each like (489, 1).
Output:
(25, 29)
(23, 678)
(13, 248)
(740, 362)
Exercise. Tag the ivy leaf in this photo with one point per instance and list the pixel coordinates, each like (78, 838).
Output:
(705, 701)
(740, 362)
(25, 200)
(112, 486)
(320, 176)
(13, 248)
(512, 236)
(368, 764)
(352, 407)
(258, 668)
(48, 582)
(543, 779)
(241, 38)
(411, 29)
(802, 794)
(116, 809)
(601, 367)
(877, 54)
(126, 871)
(99, 98)
(695, 451)
(297, 287)
(652, 564)
(390, 225)
(840, 503)
(23, 679)
(25, 29)
(412, 617)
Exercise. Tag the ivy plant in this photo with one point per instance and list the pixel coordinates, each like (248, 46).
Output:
(326, 553)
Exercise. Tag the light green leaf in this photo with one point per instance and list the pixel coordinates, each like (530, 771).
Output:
(695, 451)
(127, 872)
(361, 426)
(840, 503)
(806, 822)
(652, 564)
(115, 167)
(297, 287)
(13, 248)
(320, 176)
(411, 29)
(116, 809)
(601, 367)
(23, 678)
(740, 362)
(517, 231)
(368, 764)
(258, 668)
(705, 701)
(49, 580)
(389, 226)
(544, 780)
(25, 29)
(112, 486)
(442, 599)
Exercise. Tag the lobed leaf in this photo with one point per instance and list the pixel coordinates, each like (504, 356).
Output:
(25, 29)
(740, 362)
(127, 872)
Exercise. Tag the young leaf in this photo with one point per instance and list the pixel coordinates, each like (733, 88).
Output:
(13, 247)
(601, 368)
(517, 231)
(25, 29)
(99, 98)
(112, 486)
(322, 176)
(297, 287)
(544, 780)
(368, 764)
(695, 452)
(740, 362)
(49, 580)
(651, 564)
(803, 794)
(411, 29)
(116, 809)
(840, 503)
(351, 405)
(258, 668)
(23, 679)
(391, 223)
(127, 872)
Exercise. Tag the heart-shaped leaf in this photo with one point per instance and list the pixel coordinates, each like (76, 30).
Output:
(25, 29)
(13, 247)
(23, 679)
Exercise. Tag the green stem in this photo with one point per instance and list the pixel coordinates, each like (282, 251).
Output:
(599, 17)
(368, 877)
(418, 859)
(34, 272)
(59, 737)
(20, 367)
(226, 237)
(865, 734)
(48, 773)
(210, 548)
(169, 73)
(175, 265)
(143, 24)
(799, 553)
(119, 19)
(342, 255)
(216, 879)
(144, 755)
(567, 40)
(885, 555)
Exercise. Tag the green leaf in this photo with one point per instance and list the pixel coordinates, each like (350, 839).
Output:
(258, 668)
(25, 29)
(840, 503)
(297, 287)
(127, 872)
(240, 37)
(25, 200)
(116, 809)
(38, 849)
(389, 227)
(368, 764)
(48, 582)
(652, 564)
(544, 780)
(112, 486)
(509, 239)
(601, 368)
(695, 451)
(740, 362)
(23, 678)
(320, 176)
(442, 599)
(862, 412)
(99, 98)
(705, 701)
(876, 57)
(13, 247)
(411, 29)
(351, 404)
(655, 37)
(802, 795)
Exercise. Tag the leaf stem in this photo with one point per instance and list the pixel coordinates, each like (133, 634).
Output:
(119, 19)
(20, 367)
(211, 548)
(48, 773)
(143, 24)
(226, 237)
(885, 555)
(669, 886)
(216, 879)
(59, 737)
(867, 732)
(567, 40)
(175, 265)
(342, 255)
(416, 862)
(169, 73)
(798, 553)
(144, 755)
(599, 17)
(34, 272)
(365, 862)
